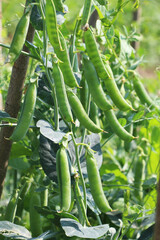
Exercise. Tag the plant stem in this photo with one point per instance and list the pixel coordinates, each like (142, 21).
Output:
(80, 171)
(56, 112)
(22, 52)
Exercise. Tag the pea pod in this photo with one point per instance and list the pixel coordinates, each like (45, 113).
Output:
(86, 12)
(64, 179)
(139, 177)
(102, 2)
(12, 207)
(96, 184)
(127, 144)
(35, 218)
(104, 73)
(80, 203)
(58, 42)
(19, 36)
(65, 64)
(84, 93)
(94, 85)
(61, 93)
(93, 113)
(51, 23)
(116, 126)
(26, 114)
(25, 188)
(59, 5)
(81, 114)
(141, 91)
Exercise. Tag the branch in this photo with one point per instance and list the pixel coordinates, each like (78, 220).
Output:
(12, 105)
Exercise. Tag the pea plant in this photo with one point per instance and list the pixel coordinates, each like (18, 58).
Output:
(85, 144)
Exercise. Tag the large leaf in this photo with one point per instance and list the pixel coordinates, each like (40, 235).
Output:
(73, 228)
(47, 131)
(43, 91)
(91, 204)
(19, 149)
(9, 229)
(20, 163)
(36, 18)
(47, 152)
(147, 234)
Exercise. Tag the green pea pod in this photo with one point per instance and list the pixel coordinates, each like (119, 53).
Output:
(61, 93)
(72, 200)
(104, 73)
(81, 114)
(35, 217)
(65, 64)
(58, 42)
(96, 184)
(127, 144)
(12, 207)
(116, 126)
(102, 2)
(26, 114)
(44, 197)
(58, 5)
(93, 113)
(51, 23)
(94, 85)
(84, 92)
(86, 12)
(141, 91)
(139, 177)
(64, 179)
(80, 203)
(19, 36)
(20, 206)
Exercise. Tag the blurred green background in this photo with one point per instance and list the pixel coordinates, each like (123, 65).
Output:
(148, 27)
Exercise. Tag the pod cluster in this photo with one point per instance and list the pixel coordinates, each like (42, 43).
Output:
(96, 76)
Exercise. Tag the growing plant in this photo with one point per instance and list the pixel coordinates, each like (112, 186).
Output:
(83, 143)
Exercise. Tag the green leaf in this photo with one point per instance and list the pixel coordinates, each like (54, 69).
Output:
(138, 115)
(108, 177)
(47, 152)
(18, 149)
(47, 130)
(73, 228)
(122, 121)
(147, 234)
(4, 116)
(91, 204)
(125, 47)
(34, 50)
(99, 12)
(51, 214)
(112, 168)
(150, 201)
(155, 134)
(19, 163)
(12, 230)
(151, 182)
